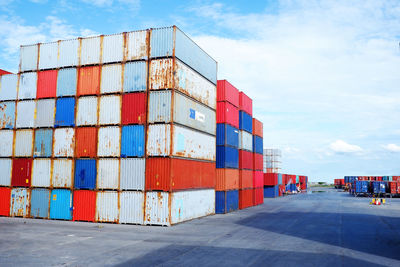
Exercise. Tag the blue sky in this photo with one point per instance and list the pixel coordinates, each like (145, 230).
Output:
(324, 75)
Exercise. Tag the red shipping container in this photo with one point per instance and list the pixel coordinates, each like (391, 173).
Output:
(393, 187)
(281, 190)
(86, 142)
(258, 179)
(46, 84)
(171, 174)
(21, 172)
(5, 195)
(245, 160)
(258, 196)
(84, 205)
(227, 179)
(303, 186)
(246, 179)
(270, 179)
(246, 198)
(293, 177)
(257, 162)
(398, 187)
(396, 178)
(379, 178)
(89, 81)
(302, 179)
(257, 128)
(134, 108)
(227, 113)
(245, 103)
(227, 92)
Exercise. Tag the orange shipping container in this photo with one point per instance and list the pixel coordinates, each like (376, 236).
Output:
(257, 127)
(227, 179)
(172, 174)
(245, 179)
(246, 198)
(86, 142)
(89, 81)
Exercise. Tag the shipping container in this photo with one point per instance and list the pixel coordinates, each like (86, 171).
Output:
(257, 162)
(131, 207)
(27, 85)
(62, 173)
(85, 174)
(227, 135)
(227, 179)
(245, 141)
(258, 177)
(108, 174)
(226, 201)
(90, 51)
(20, 200)
(41, 173)
(23, 143)
(25, 114)
(257, 128)
(134, 108)
(7, 115)
(227, 157)
(6, 143)
(48, 55)
(28, 57)
(5, 172)
(280, 178)
(21, 172)
(271, 191)
(108, 142)
(64, 142)
(40, 202)
(136, 45)
(246, 179)
(132, 174)
(257, 144)
(258, 197)
(68, 53)
(271, 179)
(113, 48)
(135, 76)
(8, 87)
(61, 204)
(107, 206)
(89, 81)
(227, 92)
(167, 107)
(5, 196)
(86, 142)
(172, 174)
(87, 111)
(84, 205)
(111, 79)
(245, 160)
(246, 198)
(65, 113)
(245, 103)
(110, 110)
(228, 114)
(45, 113)
(46, 84)
(245, 122)
(43, 143)
(186, 142)
(132, 141)
(169, 74)
(67, 82)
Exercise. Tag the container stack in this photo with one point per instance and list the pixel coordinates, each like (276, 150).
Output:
(258, 175)
(227, 175)
(271, 185)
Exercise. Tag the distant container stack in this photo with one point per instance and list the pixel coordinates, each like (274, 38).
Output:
(258, 174)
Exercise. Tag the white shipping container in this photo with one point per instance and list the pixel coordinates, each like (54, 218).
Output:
(186, 142)
(108, 142)
(8, 87)
(6, 143)
(111, 78)
(108, 174)
(136, 45)
(133, 174)
(48, 55)
(68, 53)
(28, 57)
(110, 110)
(5, 172)
(90, 50)
(20, 202)
(62, 173)
(23, 143)
(41, 173)
(107, 206)
(64, 142)
(157, 209)
(245, 140)
(27, 85)
(113, 48)
(131, 207)
(25, 114)
(45, 109)
(87, 111)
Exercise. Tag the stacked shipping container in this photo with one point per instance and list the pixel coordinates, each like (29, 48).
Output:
(258, 175)
(276, 184)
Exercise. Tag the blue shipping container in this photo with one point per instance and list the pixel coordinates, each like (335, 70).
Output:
(227, 157)
(132, 142)
(280, 178)
(65, 112)
(40, 199)
(61, 204)
(135, 76)
(43, 143)
(257, 144)
(361, 186)
(379, 187)
(85, 174)
(227, 135)
(245, 122)
(226, 201)
(66, 82)
(7, 115)
(271, 191)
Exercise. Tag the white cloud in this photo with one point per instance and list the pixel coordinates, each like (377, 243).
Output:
(132, 4)
(392, 147)
(38, 1)
(341, 146)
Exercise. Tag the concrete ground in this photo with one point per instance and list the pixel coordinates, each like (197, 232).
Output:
(314, 229)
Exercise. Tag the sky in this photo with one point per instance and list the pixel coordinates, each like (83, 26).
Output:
(324, 76)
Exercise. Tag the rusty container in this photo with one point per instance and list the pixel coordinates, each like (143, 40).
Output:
(86, 142)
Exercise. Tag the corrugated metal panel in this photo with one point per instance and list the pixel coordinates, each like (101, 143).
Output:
(132, 142)
(227, 92)
(5, 172)
(20, 202)
(43, 143)
(85, 174)
(68, 53)
(227, 157)
(113, 48)
(245, 141)
(61, 204)
(246, 179)
(90, 50)
(86, 142)
(41, 173)
(134, 108)
(111, 78)
(159, 107)
(8, 87)
(245, 122)
(62, 173)
(21, 172)
(245, 160)
(271, 191)
(109, 142)
(228, 114)
(40, 200)
(157, 211)
(135, 76)
(65, 112)
(45, 113)
(136, 45)
(257, 144)
(245, 103)
(227, 135)
(87, 111)
(27, 85)
(48, 55)
(23, 143)
(25, 114)
(133, 174)
(28, 56)
(110, 110)
(257, 127)
(131, 207)
(46, 84)
(107, 207)
(6, 143)
(67, 82)
(84, 205)
(226, 201)
(161, 42)
(89, 81)
(7, 115)
(63, 142)
(246, 198)
(227, 179)
(5, 196)
(108, 174)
